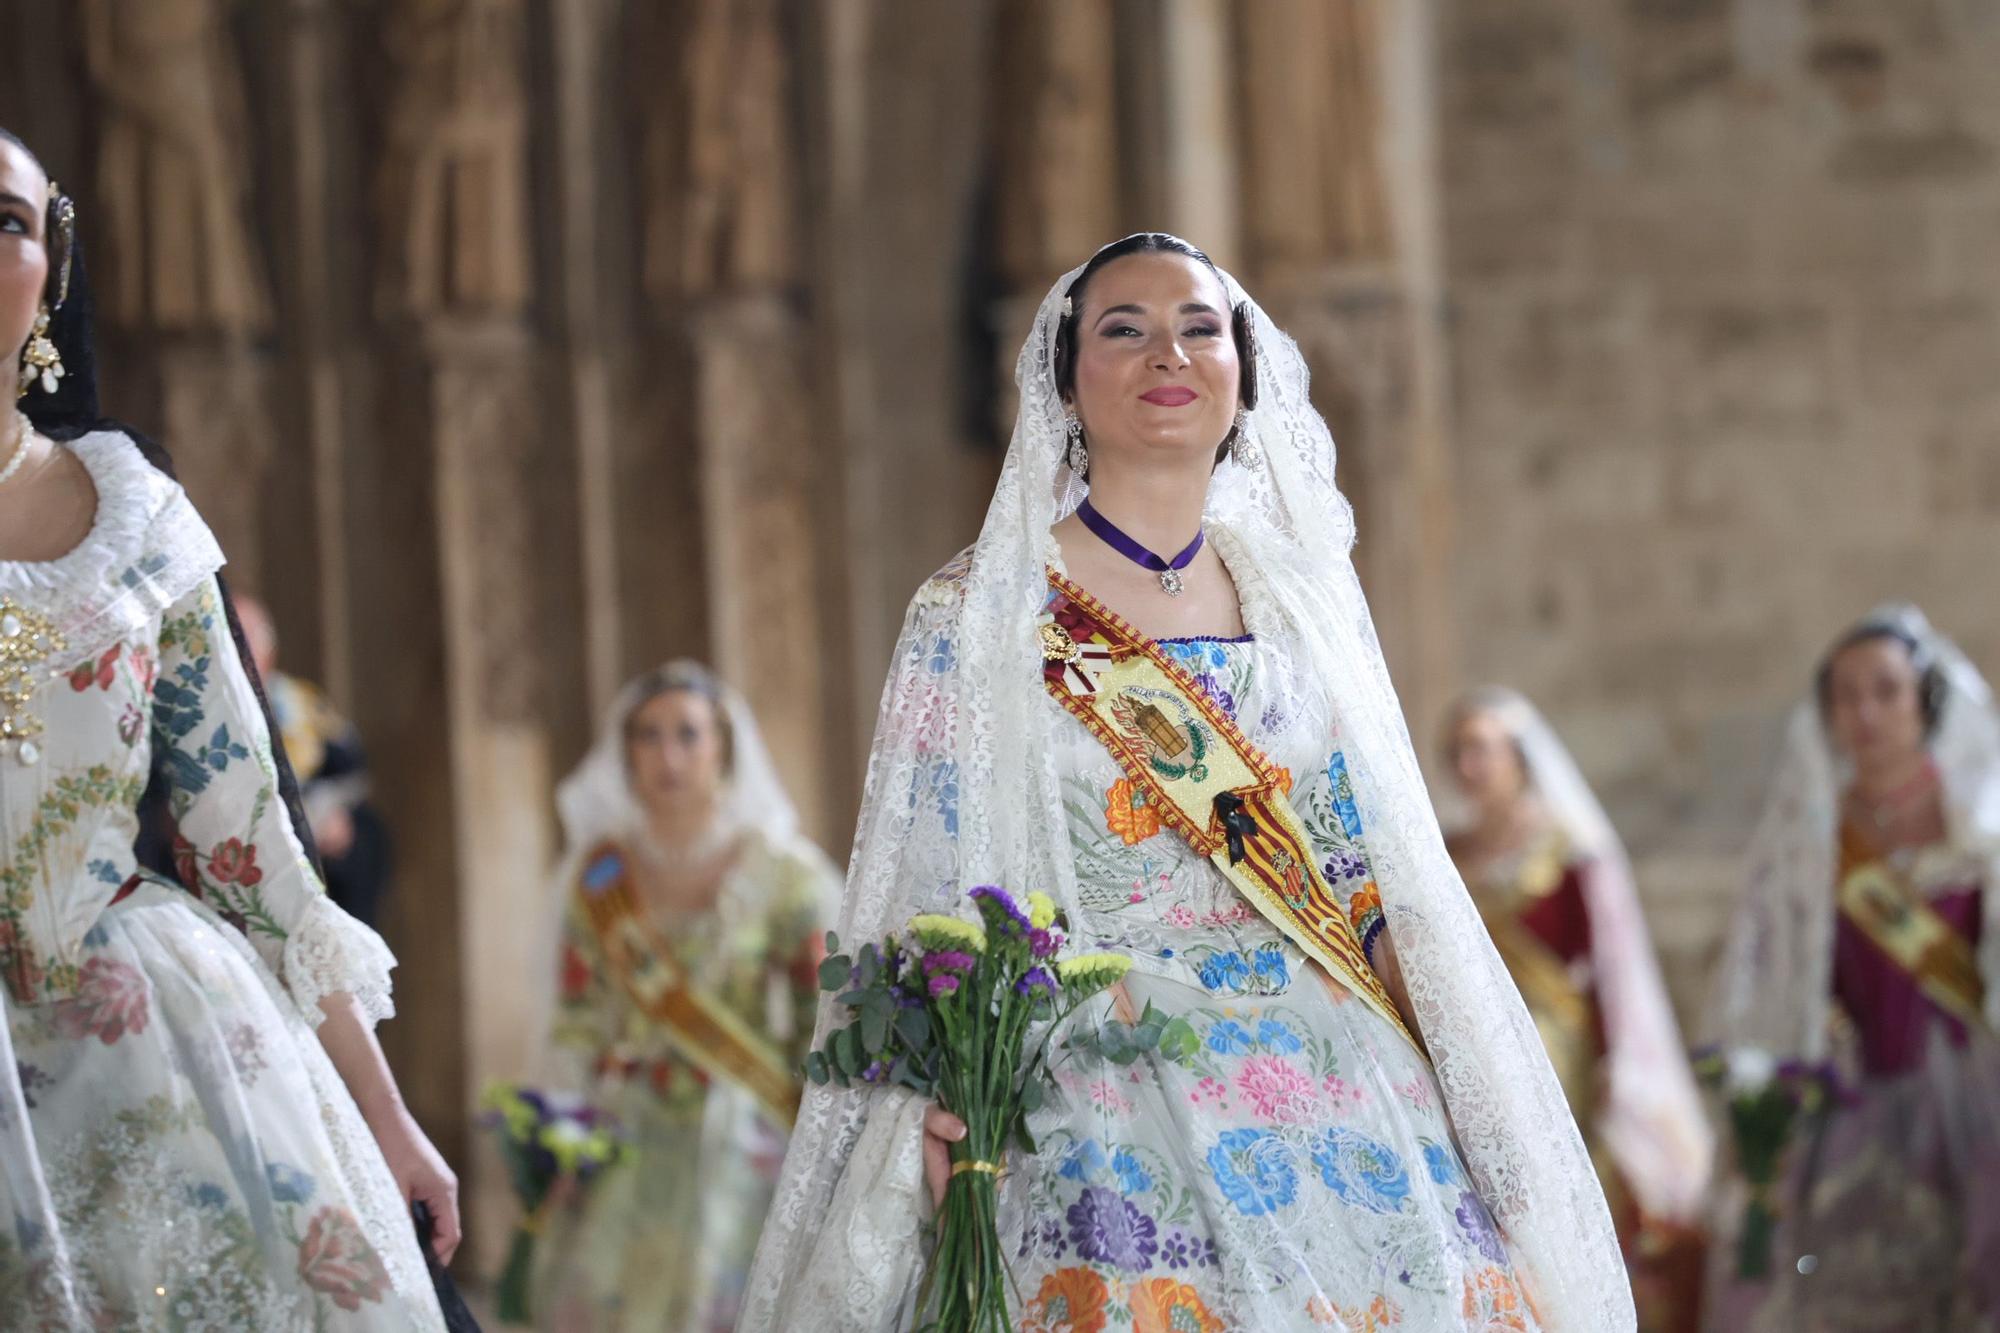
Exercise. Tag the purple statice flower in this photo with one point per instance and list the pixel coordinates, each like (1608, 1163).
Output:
(1107, 1229)
(1043, 943)
(1000, 898)
(875, 1073)
(948, 960)
(942, 985)
(1033, 979)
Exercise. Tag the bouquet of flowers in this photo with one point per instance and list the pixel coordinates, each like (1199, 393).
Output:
(1766, 1100)
(947, 1007)
(546, 1140)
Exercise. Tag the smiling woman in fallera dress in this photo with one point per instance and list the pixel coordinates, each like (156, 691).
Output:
(1360, 1129)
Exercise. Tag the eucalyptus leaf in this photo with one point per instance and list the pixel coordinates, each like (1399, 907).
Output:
(834, 971)
(915, 1026)
(875, 1026)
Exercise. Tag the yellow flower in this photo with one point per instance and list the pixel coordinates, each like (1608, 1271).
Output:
(947, 932)
(1099, 968)
(1041, 911)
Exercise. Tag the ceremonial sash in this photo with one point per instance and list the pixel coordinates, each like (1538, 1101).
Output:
(707, 1034)
(1928, 948)
(1203, 776)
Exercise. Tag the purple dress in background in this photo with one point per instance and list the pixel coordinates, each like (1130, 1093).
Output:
(1891, 1216)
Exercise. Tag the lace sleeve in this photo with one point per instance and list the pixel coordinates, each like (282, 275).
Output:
(843, 1243)
(236, 841)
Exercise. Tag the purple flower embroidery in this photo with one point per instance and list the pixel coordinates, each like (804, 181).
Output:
(1479, 1229)
(1109, 1230)
(1214, 690)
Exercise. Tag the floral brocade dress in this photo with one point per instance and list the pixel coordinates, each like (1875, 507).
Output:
(176, 1149)
(664, 1240)
(1285, 1161)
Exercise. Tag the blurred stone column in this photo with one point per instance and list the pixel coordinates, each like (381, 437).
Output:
(731, 524)
(1340, 198)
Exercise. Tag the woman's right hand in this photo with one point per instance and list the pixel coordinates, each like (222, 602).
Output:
(941, 1130)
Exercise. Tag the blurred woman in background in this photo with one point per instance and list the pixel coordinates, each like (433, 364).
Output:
(1553, 884)
(1868, 943)
(691, 935)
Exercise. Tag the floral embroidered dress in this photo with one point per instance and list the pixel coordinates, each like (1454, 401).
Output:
(664, 1241)
(1286, 1161)
(176, 1150)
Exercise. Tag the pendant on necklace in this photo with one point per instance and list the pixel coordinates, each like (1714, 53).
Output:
(1170, 579)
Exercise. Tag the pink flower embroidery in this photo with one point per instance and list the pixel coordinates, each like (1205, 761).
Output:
(130, 725)
(111, 999)
(1417, 1093)
(1208, 1090)
(1340, 1094)
(1180, 916)
(1107, 1097)
(1277, 1090)
(335, 1258)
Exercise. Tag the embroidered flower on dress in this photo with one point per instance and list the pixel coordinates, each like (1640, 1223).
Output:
(1106, 1229)
(336, 1259)
(31, 1079)
(1277, 1090)
(111, 999)
(1129, 813)
(1180, 916)
(1224, 971)
(246, 1049)
(288, 1183)
(1253, 1170)
(187, 864)
(1071, 1300)
(1273, 1035)
(1230, 1037)
(235, 862)
(1442, 1163)
(1168, 1305)
(1132, 1177)
(1340, 1095)
(100, 673)
(1361, 1171)
(1492, 1296)
(1477, 1223)
(1084, 1161)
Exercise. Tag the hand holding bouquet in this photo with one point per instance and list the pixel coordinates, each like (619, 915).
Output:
(1765, 1100)
(546, 1140)
(962, 1012)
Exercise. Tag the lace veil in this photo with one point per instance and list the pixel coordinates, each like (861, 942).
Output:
(965, 698)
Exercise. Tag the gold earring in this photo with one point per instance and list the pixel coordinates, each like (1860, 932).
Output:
(41, 363)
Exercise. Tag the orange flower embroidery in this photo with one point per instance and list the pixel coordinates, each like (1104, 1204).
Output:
(1379, 1315)
(1364, 909)
(1284, 779)
(1162, 1305)
(1130, 814)
(1072, 1300)
(1493, 1296)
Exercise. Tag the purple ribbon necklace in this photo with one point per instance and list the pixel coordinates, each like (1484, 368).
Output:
(1120, 541)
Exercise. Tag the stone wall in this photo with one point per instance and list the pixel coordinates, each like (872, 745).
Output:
(1723, 279)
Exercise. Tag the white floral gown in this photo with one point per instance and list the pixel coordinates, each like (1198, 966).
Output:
(1287, 1163)
(176, 1150)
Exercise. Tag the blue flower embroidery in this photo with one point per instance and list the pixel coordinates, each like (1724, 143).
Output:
(1251, 1170)
(1271, 967)
(1230, 1037)
(1362, 1172)
(1224, 971)
(943, 655)
(210, 1195)
(1083, 1161)
(1442, 1163)
(944, 788)
(288, 1183)
(1343, 794)
(106, 873)
(1275, 1036)
(1132, 1178)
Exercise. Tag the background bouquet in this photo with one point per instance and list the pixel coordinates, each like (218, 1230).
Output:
(1767, 1101)
(546, 1139)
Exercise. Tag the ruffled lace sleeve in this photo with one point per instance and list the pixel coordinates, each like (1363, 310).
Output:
(236, 846)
